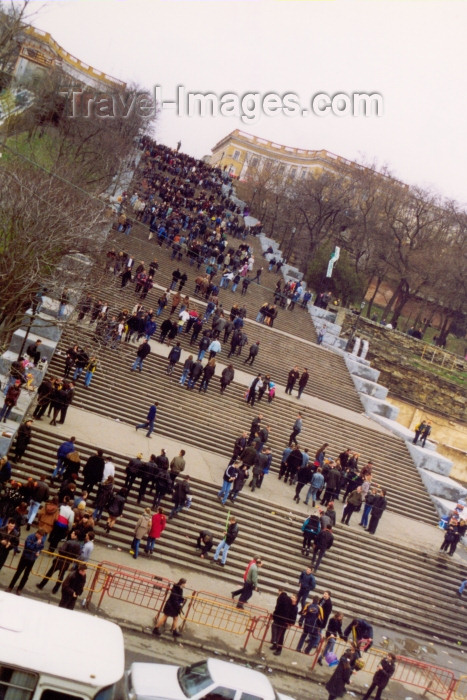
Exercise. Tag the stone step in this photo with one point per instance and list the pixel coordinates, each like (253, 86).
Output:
(360, 571)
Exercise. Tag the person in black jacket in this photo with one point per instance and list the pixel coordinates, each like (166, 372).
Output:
(379, 506)
(333, 631)
(208, 373)
(203, 345)
(148, 473)
(239, 446)
(72, 587)
(9, 539)
(23, 438)
(323, 542)
(239, 482)
(142, 352)
(172, 608)
(332, 484)
(284, 615)
(325, 603)
(254, 350)
(204, 543)
(115, 508)
(382, 677)
(339, 679)
(293, 375)
(93, 471)
(293, 463)
(174, 356)
(302, 382)
(180, 492)
(304, 476)
(227, 377)
(133, 470)
(227, 541)
(164, 485)
(194, 374)
(361, 630)
(44, 396)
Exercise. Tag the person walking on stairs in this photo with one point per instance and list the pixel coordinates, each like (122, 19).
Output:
(250, 582)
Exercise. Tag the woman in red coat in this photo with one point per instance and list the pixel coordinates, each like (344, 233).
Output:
(159, 521)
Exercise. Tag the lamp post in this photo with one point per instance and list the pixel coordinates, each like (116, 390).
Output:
(354, 329)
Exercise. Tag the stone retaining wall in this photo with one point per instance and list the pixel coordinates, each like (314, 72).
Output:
(392, 353)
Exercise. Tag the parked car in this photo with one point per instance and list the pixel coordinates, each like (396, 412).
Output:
(208, 680)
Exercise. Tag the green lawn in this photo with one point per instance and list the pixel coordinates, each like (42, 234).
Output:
(457, 376)
(454, 345)
(41, 150)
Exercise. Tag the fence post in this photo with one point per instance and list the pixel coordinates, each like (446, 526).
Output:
(250, 630)
(267, 627)
(190, 604)
(105, 587)
(321, 644)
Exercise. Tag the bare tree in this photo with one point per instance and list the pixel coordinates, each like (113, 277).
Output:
(323, 202)
(87, 150)
(42, 219)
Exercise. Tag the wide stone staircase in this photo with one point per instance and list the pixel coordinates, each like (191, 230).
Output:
(402, 588)
(213, 421)
(394, 587)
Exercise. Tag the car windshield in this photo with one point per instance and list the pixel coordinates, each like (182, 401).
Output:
(195, 678)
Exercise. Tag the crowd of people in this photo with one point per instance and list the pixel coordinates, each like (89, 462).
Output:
(193, 226)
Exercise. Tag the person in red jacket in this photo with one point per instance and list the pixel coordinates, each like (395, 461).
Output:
(11, 399)
(159, 521)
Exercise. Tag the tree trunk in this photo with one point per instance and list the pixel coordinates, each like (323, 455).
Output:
(402, 300)
(371, 302)
(444, 332)
(391, 301)
(428, 321)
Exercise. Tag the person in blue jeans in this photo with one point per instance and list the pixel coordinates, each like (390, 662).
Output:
(230, 475)
(143, 351)
(150, 420)
(369, 500)
(188, 364)
(63, 451)
(317, 483)
(462, 588)
(227, 541)
(141, 530)
(311, 631)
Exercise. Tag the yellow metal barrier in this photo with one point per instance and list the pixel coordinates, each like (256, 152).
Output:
(438, 356)
(55, 567)
(217, 614)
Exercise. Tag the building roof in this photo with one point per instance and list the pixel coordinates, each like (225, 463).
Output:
(63, 643)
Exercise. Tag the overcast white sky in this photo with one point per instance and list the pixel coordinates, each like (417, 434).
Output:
(413, 52)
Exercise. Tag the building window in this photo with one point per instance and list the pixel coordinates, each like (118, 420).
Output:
(254, 162)
(293, 172)
(236, 155)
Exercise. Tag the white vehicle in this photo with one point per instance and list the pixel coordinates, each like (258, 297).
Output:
(208, 680)
(48, 653)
